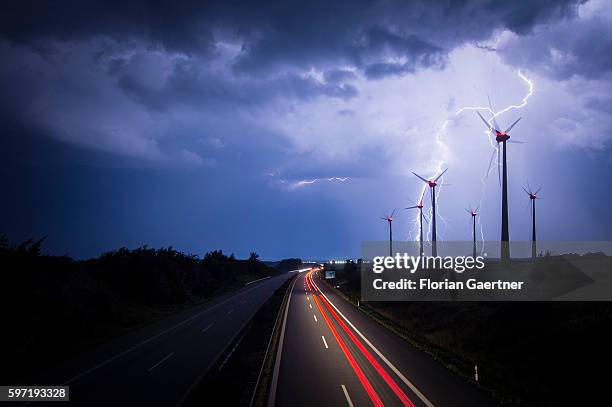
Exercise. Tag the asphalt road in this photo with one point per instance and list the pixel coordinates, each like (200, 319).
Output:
(157, 364)
(334, 355)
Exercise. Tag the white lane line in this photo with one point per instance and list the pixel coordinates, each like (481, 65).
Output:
(324, 342)
(315, 318)
(348, 398)
(161, 361)
(384, 359)
(229, 312)
(152, 338)
(207, 328)
(279, 351)
(308, 298)
(229, 355)
(310, 305)
(254, 281)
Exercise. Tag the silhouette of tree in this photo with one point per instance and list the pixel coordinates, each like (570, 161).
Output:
(56, 305)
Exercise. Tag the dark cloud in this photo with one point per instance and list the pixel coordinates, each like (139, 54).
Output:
(600, 104)
(188, 84)
(576, 47)
(287, 34)
(72, 64)
(102, 100)
(521, 16)
(338, 75)
(176, 26)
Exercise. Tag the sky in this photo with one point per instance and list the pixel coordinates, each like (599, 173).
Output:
(290, 128)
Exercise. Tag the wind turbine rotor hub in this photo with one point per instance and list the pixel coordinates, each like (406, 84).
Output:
(501, 137)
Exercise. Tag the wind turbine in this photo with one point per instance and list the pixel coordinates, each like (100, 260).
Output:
(419, 206)
(432, 186)
(502, 137)
(532, 197)
(473, 213)
(389, 219)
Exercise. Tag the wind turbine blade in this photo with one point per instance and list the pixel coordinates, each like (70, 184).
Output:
(527, 192)
(484, 121)
(468, 211)
(515, 141)
(492, 112)
(536, 192)
(491, 162)
(393, 213)
(411, 207)
(438, 177)
(422, 196)
(425, 218)
(423, 179)
(512, 125)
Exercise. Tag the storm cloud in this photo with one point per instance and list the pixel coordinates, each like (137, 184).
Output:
(278, 92)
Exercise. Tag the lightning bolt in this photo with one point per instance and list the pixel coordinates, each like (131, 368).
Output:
(442, 130)
(306, 182)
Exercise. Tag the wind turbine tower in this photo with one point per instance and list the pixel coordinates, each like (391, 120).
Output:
(419, 206)
(389, 219)
(473, 213)
(502, 137)
(532, 198)
(432, 183)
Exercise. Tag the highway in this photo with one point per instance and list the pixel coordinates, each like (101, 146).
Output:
(334, 355)
(156, 365)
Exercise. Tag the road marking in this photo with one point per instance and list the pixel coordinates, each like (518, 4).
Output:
(198, 379)
(308, 298)
(324, 342)
(315, 318)
(152, 338)
(161, 361)
(396, 389)
(367, 386)
(310, 305)
(229, 355)
(384, 359)
(207, 328)
(279, 351)
(348, 398)
(229, 312)
(254, 281)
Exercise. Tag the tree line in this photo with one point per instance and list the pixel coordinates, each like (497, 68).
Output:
(55, 305)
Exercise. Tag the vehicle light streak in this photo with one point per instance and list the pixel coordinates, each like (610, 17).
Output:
(360, 375)
(395, 370)
(386, 377)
